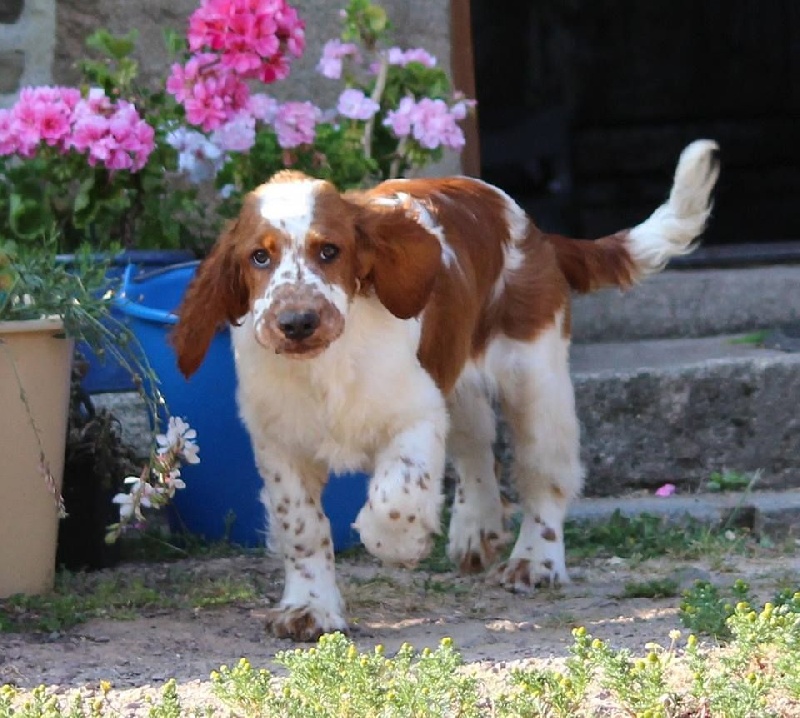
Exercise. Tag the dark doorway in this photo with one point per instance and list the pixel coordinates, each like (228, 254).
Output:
(584, 106)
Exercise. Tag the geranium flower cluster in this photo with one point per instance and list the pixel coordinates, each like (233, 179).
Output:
(430, 122)
(233, 41)
(160, 478)
(111, 133)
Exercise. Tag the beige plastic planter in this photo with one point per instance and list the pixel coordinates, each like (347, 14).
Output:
(28, 513)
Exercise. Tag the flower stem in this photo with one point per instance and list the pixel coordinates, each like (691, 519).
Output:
(377, 93)
(399, 156)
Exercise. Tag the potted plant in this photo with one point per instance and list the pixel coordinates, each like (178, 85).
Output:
(42, 307)
(45, 307)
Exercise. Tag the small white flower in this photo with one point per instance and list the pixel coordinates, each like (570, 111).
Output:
(177, 431)
(189, 452)
(126, 506)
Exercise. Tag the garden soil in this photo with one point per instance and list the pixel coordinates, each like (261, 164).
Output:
(492, 628)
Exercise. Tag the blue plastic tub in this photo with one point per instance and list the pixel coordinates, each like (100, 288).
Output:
(221, 497)
(106, 374)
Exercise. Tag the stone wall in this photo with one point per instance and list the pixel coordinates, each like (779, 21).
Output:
(27, 43)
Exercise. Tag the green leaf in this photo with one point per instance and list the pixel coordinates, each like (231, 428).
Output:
(84, 208)
(114, 46)
(28, 218)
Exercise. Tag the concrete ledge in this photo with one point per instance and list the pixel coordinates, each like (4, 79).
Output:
(690, 303)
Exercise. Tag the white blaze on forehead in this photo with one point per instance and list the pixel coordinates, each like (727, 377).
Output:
(289, 206)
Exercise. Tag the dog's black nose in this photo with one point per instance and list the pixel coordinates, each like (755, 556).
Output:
(298, 325)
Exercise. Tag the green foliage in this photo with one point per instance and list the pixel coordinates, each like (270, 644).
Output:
(729, 481)
(90, 204)
(704, 609)
(33, 284)
(80, 597)
(655, 588)
(335, 680)
(642, 536)
(547, 692)
(754, 338)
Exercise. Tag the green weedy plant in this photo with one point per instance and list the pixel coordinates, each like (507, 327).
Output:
(730, 481)
(334, 680)
(705, 610)
(639, 685)
(549, 693)
(642, 537)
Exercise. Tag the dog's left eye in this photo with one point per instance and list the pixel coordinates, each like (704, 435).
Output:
(328, 252)
(260, 258)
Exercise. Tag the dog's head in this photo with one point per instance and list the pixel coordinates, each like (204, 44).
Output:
(295, 258)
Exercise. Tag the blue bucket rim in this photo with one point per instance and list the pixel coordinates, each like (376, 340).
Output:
(140, 311)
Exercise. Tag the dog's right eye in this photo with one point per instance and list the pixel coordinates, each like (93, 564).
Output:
(260, 258)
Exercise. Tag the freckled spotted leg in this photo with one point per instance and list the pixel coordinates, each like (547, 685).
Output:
(405, 495)
(300, 532)
(477, 532)
(539, 406)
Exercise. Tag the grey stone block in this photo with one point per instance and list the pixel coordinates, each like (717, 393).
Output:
(12, 64)
(691, 303)
(678, 411)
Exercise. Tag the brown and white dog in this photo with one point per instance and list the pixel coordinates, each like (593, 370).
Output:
(373, 327)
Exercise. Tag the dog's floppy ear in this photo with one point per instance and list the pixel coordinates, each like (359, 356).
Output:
(398, 256)
(217, 293)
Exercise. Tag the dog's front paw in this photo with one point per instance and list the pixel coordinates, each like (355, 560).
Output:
(523, 575)
(303, 623)
(395, 537)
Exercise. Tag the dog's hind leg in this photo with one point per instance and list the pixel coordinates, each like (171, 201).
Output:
(476, 532)
(539, 405)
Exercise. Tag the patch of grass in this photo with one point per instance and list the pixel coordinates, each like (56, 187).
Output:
(154, 544)
(754, 338)
(437, 561)
(641, 537)
(78, 597)
(654, 588)
(730, 481)
(451, 588)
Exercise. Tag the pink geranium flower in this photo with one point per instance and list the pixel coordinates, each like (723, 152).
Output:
(666, 490)
(295, 124)
(355, 105)
(333, 54)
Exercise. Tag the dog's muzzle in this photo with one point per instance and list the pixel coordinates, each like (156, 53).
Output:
(299, 323)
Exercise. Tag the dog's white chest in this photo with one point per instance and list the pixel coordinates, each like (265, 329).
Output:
(340, 407)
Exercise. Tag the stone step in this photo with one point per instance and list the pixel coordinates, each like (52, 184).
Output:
(691, 303)
(655, 412)
(677, 410)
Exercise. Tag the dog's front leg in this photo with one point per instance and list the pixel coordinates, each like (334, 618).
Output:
(300, 533)
(405, 495)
